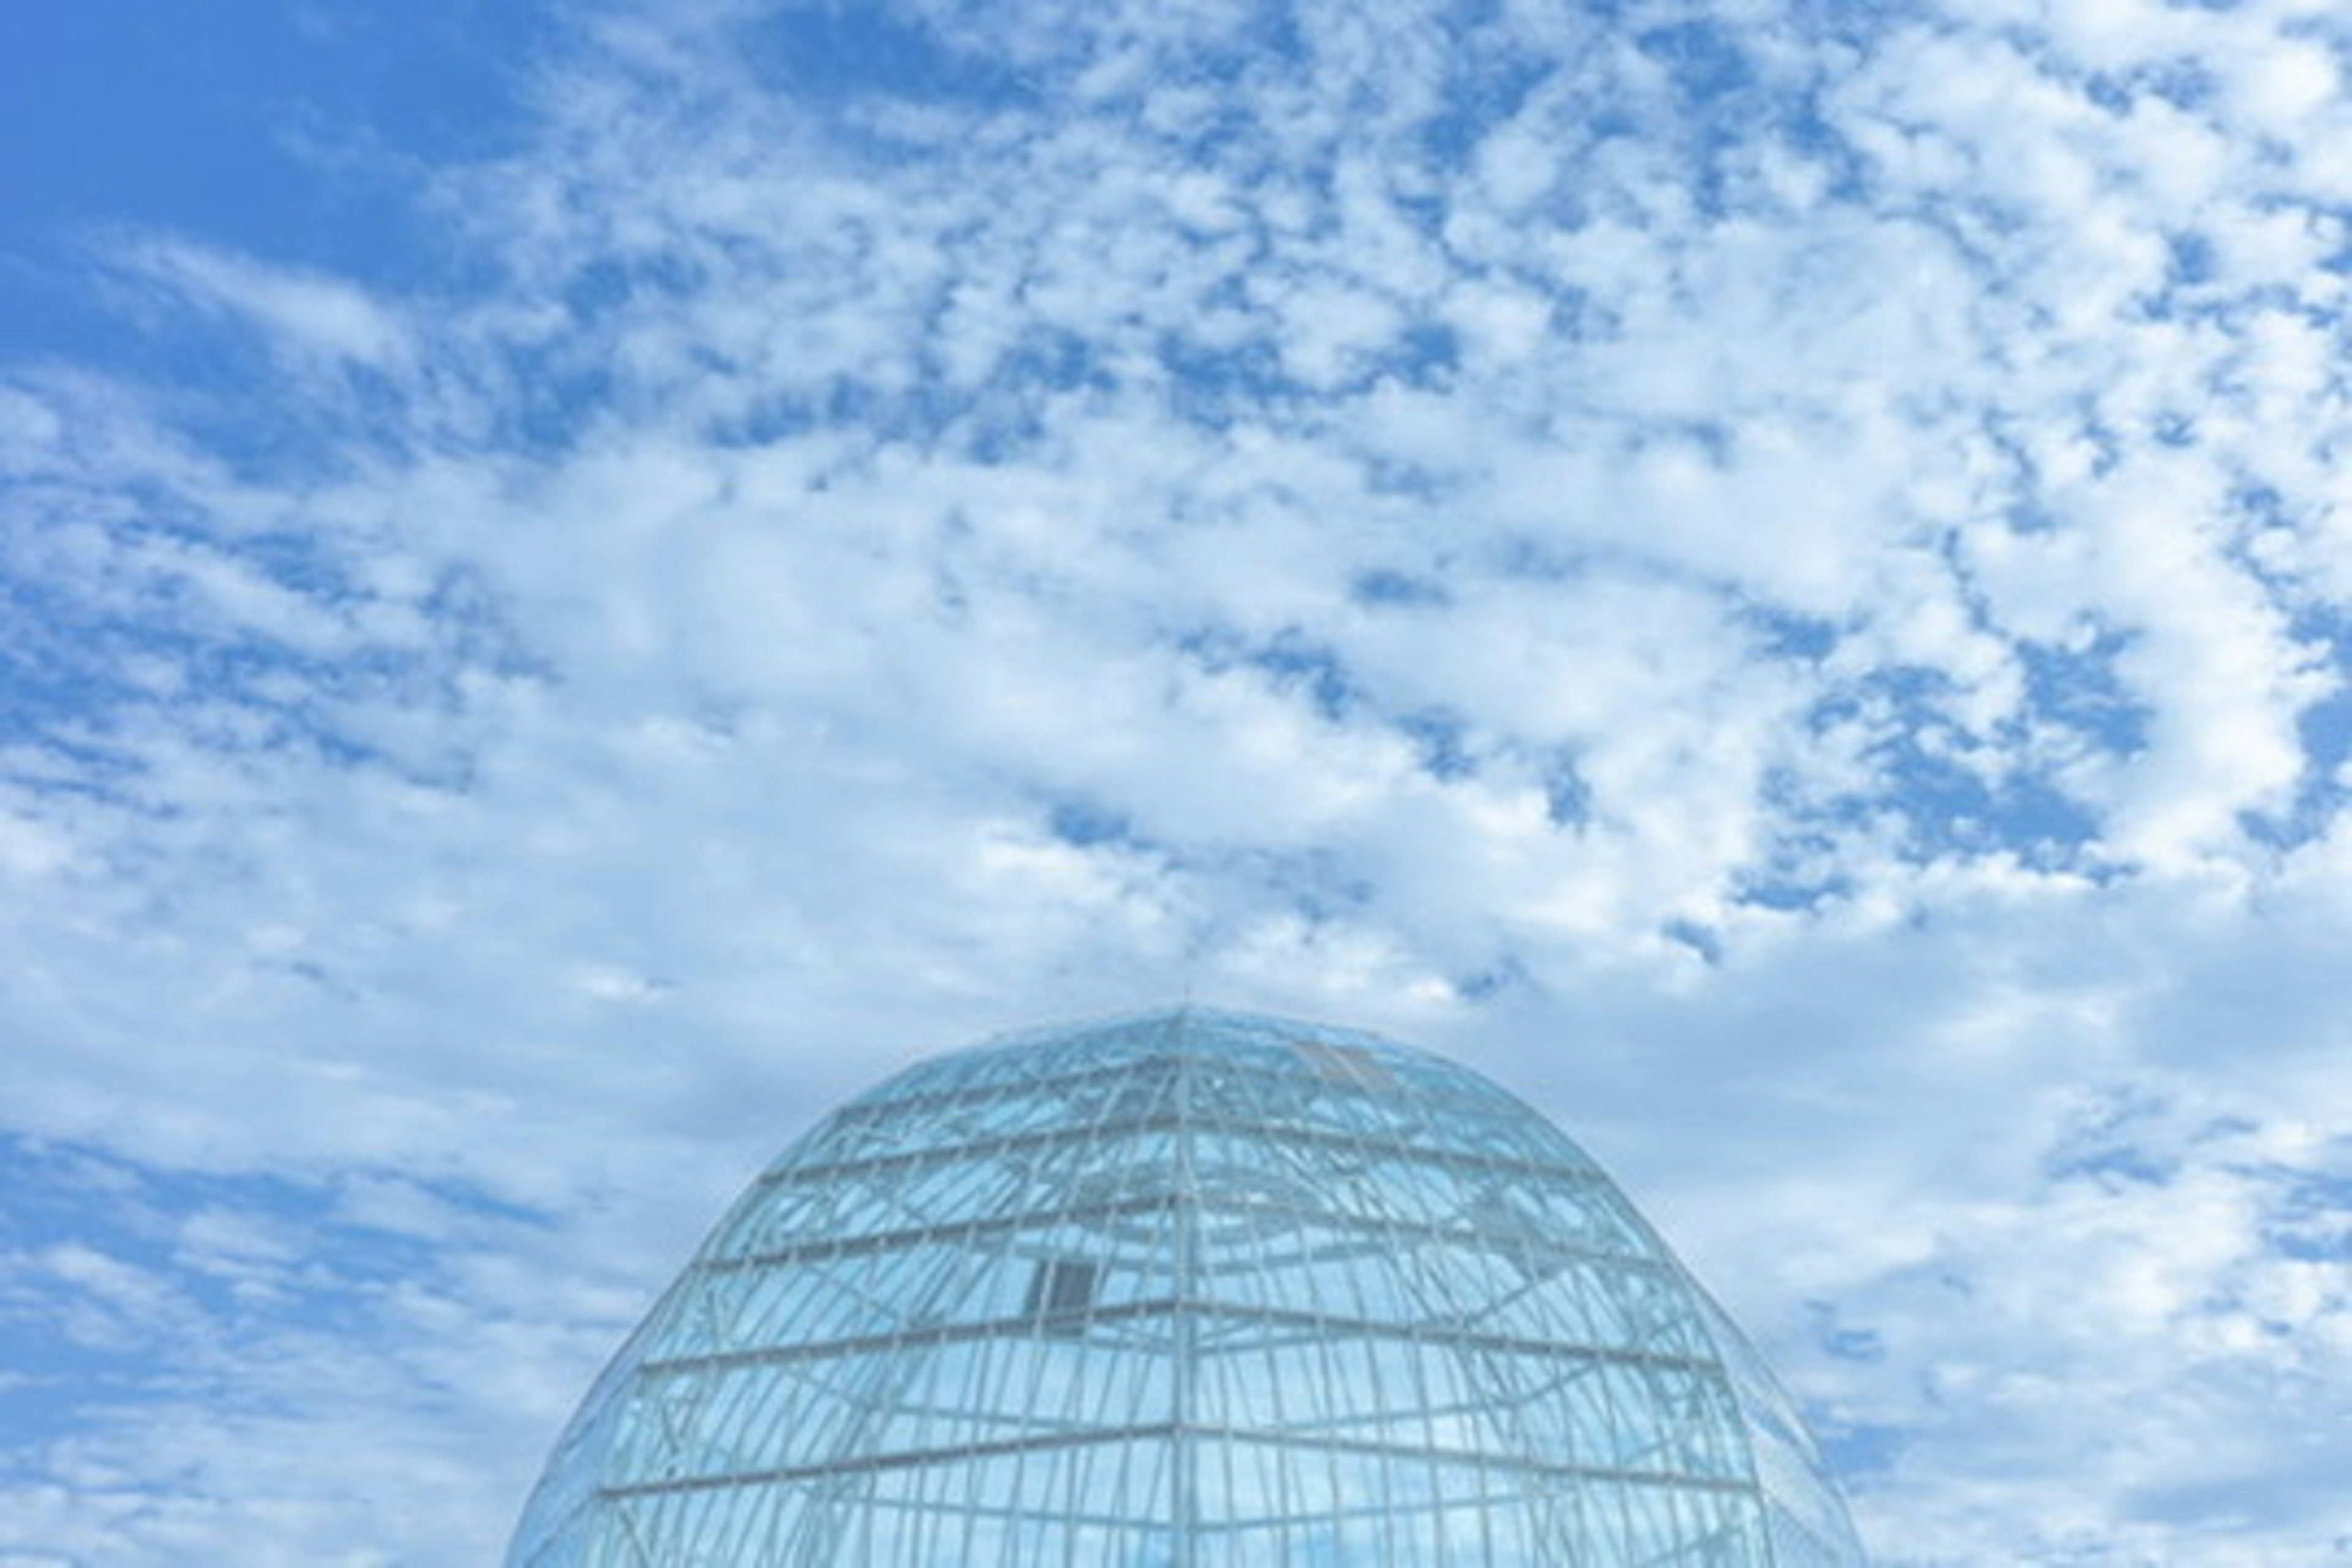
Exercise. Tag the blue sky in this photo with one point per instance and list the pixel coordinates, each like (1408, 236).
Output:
(582, 580)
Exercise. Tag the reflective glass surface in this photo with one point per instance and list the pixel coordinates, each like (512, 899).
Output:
(1187, 1290)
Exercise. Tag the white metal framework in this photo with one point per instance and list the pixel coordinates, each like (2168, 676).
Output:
(1188, 1290)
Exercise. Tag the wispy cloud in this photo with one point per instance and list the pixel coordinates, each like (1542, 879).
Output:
(308, 316)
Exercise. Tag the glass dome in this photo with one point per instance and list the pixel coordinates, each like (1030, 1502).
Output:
(1186, 1290)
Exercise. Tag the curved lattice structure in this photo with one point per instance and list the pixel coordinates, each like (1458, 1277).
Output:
(1189, 1290)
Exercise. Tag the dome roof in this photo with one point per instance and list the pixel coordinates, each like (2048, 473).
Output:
(1191, 1290)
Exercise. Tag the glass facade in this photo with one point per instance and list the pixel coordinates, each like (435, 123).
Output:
(1186, 1290)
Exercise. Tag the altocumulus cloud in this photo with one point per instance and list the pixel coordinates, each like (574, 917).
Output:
(1773, 574)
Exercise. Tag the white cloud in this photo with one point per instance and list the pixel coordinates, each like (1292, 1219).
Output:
(308, 314)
